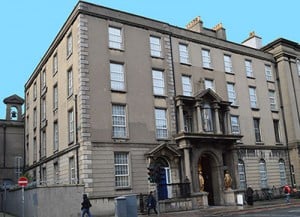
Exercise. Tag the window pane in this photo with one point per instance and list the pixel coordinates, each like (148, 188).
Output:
(121, 170)
(155, 46)
(186, 85)
(161, 123)
(248, 66)
(227, 63)
(268, 73)
(231, 93)
(206, 61)
(183, 53)
(158, 82)
(117, 76)
(119, 121)
(115, 39)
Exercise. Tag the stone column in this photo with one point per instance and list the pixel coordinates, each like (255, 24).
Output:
(217, 120)
(228, 125)
(181, 119)
(199, 118)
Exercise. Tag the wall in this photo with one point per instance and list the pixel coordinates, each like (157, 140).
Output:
(44, 201)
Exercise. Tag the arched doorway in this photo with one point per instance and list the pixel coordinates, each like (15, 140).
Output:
(208, 166)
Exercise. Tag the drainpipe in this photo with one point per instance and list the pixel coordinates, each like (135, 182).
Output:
(76, 138)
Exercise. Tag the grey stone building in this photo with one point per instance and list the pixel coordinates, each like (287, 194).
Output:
(116, 93)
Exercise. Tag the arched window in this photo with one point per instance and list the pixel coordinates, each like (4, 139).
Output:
(282, 173)
(263, 174)
(207, 118)
(242, 174)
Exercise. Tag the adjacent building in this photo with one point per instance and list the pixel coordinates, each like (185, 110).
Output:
(11, 142)
(116, 93)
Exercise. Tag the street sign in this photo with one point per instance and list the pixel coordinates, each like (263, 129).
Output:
(23, 181)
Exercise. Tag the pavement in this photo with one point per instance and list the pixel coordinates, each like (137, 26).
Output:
(221, 210)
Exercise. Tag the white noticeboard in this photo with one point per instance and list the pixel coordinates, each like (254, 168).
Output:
(240, 200)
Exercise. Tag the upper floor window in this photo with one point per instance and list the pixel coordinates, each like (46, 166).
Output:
(70, 82)
(186, 85)
(43, 79)
(161, 123)
(43, 143)
(206, 59)
(43, 109)
(235, 125)
(268, 73)
(253, 98)
(34, 150)
(18, 166)
(208, 83)
(228, 63)
(276, 131)
(117, 77)
(121, 169)
(44, 176)
(119, 124)
(34, 91)
(71, 126)
(158, 82)
(55, 97)
(298, 66)
(248, 68)
(155, 46)
(55, 63)
(69, 44)
(256, 123)
(55, 136)
(115, 37)
(184, 54)
(207, 118)
(263, 174)
(272, 97)
(34, 118)
(231, 93)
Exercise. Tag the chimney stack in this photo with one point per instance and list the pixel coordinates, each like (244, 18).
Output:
(253, 41)
(220, 31)
(195, 25)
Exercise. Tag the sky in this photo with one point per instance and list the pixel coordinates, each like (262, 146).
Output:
(29, 27)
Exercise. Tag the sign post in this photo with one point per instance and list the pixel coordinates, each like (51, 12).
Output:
(22, 182)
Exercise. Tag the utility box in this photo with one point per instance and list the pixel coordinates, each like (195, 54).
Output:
(126, 206)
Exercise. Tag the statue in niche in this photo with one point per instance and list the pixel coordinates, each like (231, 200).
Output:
(227, 180)
(201, 181)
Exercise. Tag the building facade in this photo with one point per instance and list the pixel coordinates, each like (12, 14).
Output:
(11, 142)
(116, 93)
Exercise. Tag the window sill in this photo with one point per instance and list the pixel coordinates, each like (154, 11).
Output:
(271, 81)
(250, 77)
(157, 57)
(208, 68)
(116, 49)
(230, 73)
(234, 106)
(255, 108)
(118, 91)
(259, 143)
(123, 188)
(119, 139)
(275, 110)
(185, 64)
(160, 96)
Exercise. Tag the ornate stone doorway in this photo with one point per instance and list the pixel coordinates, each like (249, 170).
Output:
(208, 166)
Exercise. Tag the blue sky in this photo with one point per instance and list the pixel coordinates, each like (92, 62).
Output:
(28, 27)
